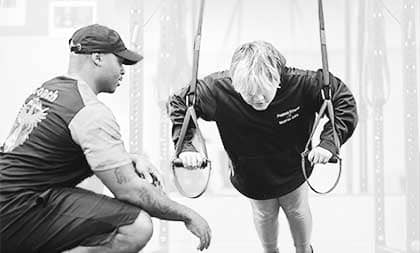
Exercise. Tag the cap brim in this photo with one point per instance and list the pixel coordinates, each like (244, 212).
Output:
(129, 57)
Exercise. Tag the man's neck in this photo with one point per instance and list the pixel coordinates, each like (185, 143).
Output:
(85, 78)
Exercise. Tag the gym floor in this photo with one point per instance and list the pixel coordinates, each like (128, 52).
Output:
(342, 223)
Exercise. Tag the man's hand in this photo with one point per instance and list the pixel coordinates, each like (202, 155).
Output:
(192, 160)
(319, 155)
(200, 228)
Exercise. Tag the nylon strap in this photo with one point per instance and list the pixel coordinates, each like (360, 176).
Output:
(326, 107)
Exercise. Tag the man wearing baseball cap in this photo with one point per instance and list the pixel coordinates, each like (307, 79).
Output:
(100, 39)
(64, 134)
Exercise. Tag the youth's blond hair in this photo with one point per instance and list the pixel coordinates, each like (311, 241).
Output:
(256, 65)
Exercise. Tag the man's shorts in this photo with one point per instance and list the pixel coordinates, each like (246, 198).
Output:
(61, 219)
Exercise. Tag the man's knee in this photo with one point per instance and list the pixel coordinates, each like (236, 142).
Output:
(265, 211)
(142, 229)
(139, 232)
(297, 205)
(266, 217)
(298, 212)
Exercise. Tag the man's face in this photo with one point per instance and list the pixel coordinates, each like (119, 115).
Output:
(261, 99)
(110, 73)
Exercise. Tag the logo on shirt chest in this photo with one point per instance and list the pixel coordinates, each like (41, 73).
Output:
(288, 115)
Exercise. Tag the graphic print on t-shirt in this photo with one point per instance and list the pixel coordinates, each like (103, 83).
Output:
(28, 118)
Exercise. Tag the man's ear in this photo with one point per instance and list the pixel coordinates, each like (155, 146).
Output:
(97, 58)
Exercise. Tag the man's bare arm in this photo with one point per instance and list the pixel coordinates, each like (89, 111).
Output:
(127, 186)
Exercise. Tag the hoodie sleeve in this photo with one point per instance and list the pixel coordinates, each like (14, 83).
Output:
(345, 109)
(205, 108)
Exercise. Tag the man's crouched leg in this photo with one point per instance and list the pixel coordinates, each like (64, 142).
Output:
(62, 219)
(129, 238)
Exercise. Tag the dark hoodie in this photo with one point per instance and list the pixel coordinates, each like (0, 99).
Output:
(265, 146)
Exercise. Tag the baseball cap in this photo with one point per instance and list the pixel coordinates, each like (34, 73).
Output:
(101, 39)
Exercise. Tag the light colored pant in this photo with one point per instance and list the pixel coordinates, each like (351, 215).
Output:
(296, 207)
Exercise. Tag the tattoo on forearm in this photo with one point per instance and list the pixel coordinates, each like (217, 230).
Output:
(161, 206)
(121, 179)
